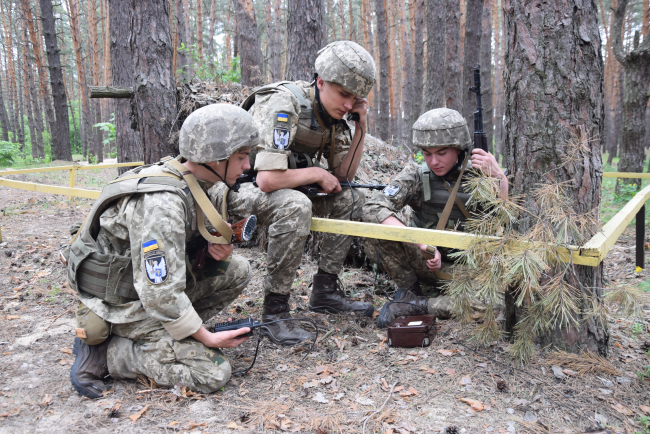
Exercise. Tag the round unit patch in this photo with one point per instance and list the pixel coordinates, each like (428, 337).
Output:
(155, 266)
(281, 138)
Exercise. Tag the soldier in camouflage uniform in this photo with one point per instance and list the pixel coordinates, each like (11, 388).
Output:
(299, 122)
(444, 139)
(155, 327)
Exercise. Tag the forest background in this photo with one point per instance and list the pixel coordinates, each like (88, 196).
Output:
(213, 39)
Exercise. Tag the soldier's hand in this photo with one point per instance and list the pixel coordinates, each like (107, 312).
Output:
(328, 183)
(227, 339)
(220, 251)
(361, 107)
(486, 162)
(436, 262)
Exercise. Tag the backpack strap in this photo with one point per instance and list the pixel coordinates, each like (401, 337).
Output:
(426, 181)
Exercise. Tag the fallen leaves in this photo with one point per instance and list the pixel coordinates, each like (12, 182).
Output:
(476, 405)
(233, 425)
(66, 350)
(409, 392)
(450, 371)
(645, 409)
(622, 409)
(136, 416)
(446, 353)
(319, 397)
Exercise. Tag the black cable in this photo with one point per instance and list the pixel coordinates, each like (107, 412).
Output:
(259, 340)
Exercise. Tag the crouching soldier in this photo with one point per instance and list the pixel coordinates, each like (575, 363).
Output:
(444, 139)
(142, 302)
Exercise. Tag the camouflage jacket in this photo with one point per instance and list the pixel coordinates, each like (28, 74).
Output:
(147, 226)
(277, 113)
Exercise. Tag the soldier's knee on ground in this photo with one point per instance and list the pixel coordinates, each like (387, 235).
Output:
(291, 213)
(241, 272)
(91, 329)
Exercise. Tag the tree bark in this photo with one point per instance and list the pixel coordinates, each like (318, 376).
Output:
(471, 58)
(154, 85)
(61, 134)
(248, 41)
(351, 29)
(368, 43)
(274, 18)
(419, 14)
(342, 18)
(452, 80)
(407, 76)
(181, 67)
(4, 117)
(636, 66)
(382, 41)
(554, 83)
(436, 52)
(305, 37)
(499, 135)
(91, 9)
(127, 140)
(199, 28)
(213, 8)
(486, 73)
(394, 124)
(32, 105)
(10, 68)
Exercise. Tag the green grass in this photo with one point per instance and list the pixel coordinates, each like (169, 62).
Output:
(610, 203)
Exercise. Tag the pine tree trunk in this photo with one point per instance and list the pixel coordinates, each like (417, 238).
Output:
(552, 95)
(330, 15)
(273, 23)
(4, 117)
(499, 134)
(60, 134)
(187, 37)
(486, 73)
(636, 66)
(248, 43)
(305, 36)
(23, 92)
(154, 96)
(368, 43)
(351, 30)
(10, 93)
(108, 105)
(342, 18)
(91, 8)
(383, 100)
(394, 124)
(471, 58)
(10, 68)
(228, 26)
(213, 8)
(436, 25)
(181, 44)
(31, 92)
(453, 78)
(199, 28)
(419, 14)
(127, 140)
(407, 76)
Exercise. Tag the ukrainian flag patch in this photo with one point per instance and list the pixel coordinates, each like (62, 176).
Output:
(149, 246)
(283, 117)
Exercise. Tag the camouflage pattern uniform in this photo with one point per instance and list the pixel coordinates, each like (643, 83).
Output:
(152, 335)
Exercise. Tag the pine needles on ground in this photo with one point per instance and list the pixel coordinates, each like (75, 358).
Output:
(584, 363)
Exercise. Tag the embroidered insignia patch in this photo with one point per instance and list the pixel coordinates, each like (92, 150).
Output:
(281, 138)
(149, 246)
(391, 190)
(282, 117)
(155, 266)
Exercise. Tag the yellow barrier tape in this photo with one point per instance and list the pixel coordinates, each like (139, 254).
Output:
(52, 189)
(625, 175)
(73, 167)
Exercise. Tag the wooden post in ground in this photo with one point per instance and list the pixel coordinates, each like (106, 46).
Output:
(640, 237)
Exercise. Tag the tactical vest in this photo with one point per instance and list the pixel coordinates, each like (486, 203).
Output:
(311, 138)
(435, 193)
(110, 276)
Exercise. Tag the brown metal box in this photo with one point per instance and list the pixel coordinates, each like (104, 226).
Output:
(412, 331)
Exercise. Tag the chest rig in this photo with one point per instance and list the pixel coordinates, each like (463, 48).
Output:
(314, 135)
(436, 191)
(108, 276)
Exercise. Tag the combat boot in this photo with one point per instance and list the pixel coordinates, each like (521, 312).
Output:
(89, 368)
(327, 297)
(276, 307)
(405, 303)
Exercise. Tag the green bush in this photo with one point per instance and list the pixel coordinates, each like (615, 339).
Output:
(8, 153)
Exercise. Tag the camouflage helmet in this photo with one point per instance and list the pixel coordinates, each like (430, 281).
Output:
(441, 127)
(215, 132)
(347, 64)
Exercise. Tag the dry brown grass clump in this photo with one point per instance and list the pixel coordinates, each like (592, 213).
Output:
(583, 363)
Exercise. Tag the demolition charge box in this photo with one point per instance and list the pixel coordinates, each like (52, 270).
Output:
(412, 331)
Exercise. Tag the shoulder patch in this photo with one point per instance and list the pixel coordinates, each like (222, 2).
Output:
(282, 117)
(391, 190)
(281, 138)
(155, 266)
(149, 246)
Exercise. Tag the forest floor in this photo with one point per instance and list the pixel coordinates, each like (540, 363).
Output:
(352, 380)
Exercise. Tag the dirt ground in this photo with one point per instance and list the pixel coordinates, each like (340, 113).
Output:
(350, 383)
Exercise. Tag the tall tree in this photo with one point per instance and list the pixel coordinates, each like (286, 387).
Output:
(418, 15)
(129, 147)
(248, 43)
(213, 9)
(434, 97)
(452, 80)
(486, 73)
(498, 80)
(636, 65)
(32, 105)
(181, 44)
(199, 28)
(471, 57)
(394, 124)
(60, 134)
(305, 36)
(382, 42)
(12, 84)
(154, 86)
(4, 117)
(274, 23)
(556, 45)
(40, 64)
(407, 75)
(91, 9)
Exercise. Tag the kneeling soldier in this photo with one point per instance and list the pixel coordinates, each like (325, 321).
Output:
(142, 305)
(444, 139)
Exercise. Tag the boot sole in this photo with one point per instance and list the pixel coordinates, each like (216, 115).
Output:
(384, 314)
(286, 343)
(368, 312)
(79, 387)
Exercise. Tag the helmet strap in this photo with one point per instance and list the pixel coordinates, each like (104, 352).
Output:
(234, 187)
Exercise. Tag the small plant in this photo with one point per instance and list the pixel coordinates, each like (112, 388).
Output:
(636, 329)
(644, 374)
(625, 192)
(108, 127)
(8, 153)
(53, 294)
(644, 423)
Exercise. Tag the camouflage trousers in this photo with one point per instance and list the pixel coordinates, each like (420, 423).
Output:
(145, 348)
(403, 262)
(287, 214)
